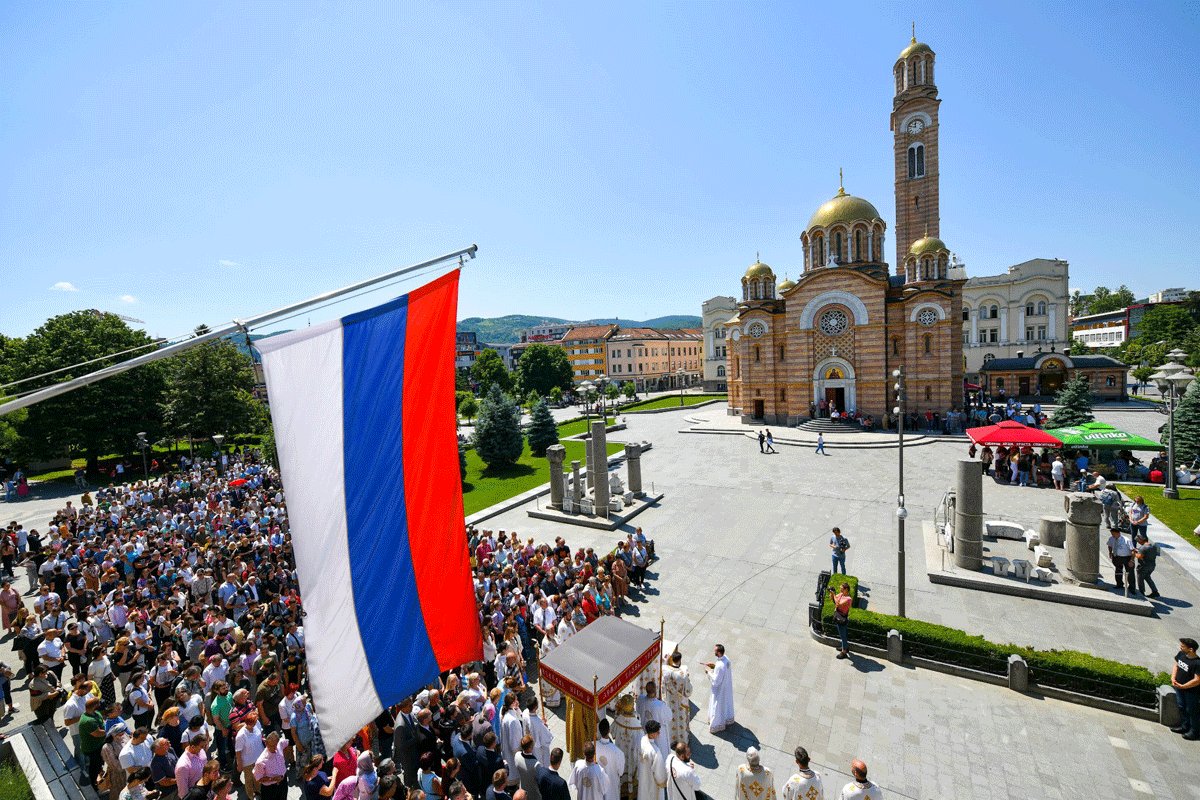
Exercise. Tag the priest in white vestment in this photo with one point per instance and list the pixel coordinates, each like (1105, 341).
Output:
(627, 735)
(720, 705)
(610, 757)
(588, 778)
(551, 695)
(512, 730)
(682, 778)
(652, 767)
(542, 738)
(655, 709)
(677, 694)
(753, 780)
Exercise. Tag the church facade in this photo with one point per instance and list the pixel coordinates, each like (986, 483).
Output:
(836, 333)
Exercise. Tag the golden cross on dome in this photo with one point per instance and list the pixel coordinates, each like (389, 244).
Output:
(914, 29)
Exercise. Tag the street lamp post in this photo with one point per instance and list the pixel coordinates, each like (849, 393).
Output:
(219, 440)
(143, 443)
(901, 512)
(586, 387)
(602, 383)
(679, 373)
(1172, 380)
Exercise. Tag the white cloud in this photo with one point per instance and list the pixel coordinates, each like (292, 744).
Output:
(225, 262)
(127, 298)
(64, 286)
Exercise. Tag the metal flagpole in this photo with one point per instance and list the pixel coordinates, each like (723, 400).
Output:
(662, 627)
(234, 327)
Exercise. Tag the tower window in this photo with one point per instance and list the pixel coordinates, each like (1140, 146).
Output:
(895, 345)
(837, 246)
(916, 160)
(781, 356)
(928, 344)
(858, 254)
(928, 392)
(757, 353)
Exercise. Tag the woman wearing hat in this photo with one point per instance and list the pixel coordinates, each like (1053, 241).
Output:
(114, 773)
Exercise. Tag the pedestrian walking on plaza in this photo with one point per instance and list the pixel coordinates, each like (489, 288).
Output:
(1058, 473)
(1146, 555)
(1120, 552)
(1185, 677)
(841, 616)
(762, 442)
(821, 444)
(1139, 516)
(861, 788)
(770, 442)
(839, 545)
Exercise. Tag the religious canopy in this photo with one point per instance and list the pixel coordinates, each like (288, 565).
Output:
(594, 665)
(1101, 434)
(1009, 433)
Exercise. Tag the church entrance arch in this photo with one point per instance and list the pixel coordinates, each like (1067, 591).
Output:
(833, 382)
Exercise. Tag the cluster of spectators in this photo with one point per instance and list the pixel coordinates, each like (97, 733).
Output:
(163, 626)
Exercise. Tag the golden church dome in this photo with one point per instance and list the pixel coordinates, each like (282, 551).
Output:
(843, 208)
(914, 47)
(759, 270)
(927, 245)
(785, 285)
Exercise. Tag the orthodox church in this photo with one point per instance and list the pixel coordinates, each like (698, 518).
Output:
(837, 332)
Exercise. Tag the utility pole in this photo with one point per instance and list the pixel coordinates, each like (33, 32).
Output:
(899, 410)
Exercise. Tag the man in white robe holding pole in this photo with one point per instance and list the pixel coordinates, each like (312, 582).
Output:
(652, 767)
(655, 709)
(720, 705)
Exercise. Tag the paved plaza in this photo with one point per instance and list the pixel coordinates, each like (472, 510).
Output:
(741, 537)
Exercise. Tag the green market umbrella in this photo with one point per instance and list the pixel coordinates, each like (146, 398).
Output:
(1101, 434)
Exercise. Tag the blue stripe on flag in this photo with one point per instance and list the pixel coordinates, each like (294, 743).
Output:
(386, 600)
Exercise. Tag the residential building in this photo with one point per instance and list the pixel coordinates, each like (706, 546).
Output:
(466, 348)
(1024, 309)
(586, 349)
(653, 359)
(1107, 329)
(1168, 296)
(546, 332)
(714, 313)
(505, 351)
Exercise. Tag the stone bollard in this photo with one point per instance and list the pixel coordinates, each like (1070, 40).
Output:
(576, 486)
(1168, 709)
(968, 516)
(895, 646)
(1052, 531)
(1018, 674)
(633, 463)
(556, 454)
(1083, 537)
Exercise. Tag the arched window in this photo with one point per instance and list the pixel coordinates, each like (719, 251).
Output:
(921, 72)
(966, 313)
(837, 247)
(994, 312)
(1029, 309)
(928, 392)
(999, 383)
(928, 344)
(783, 395)
(781, 356)
(916, 160)
(820, 247)
(1041, 308)
(858, 246)
(757, 353)
(721, 371)
(895, 345)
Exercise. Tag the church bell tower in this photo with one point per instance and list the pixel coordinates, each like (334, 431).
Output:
(914, 125)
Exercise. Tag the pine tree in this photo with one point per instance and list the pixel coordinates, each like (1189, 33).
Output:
(1187, 426)
(462, 462)
(498, 438)
(542, 430)
(1074, 404)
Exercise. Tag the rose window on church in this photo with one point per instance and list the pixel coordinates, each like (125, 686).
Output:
(757, 330)
(834, 323)
(927, 317)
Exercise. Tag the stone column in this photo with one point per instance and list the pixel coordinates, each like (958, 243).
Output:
(1052, 327)
(1083, 536)
(1004, 325)
(1052, 531)
(576, 486)
(633, 462)
(556, 454)
(974, 327)
(598, 468)
(1021, 325)
(968, 516)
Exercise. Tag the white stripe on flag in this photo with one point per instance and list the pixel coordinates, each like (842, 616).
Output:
(305, 384)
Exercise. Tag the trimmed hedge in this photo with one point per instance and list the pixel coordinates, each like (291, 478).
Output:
(1064, 669)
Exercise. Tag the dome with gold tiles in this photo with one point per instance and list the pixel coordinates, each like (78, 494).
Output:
(843, 208)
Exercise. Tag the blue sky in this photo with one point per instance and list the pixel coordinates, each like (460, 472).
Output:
(195, 162)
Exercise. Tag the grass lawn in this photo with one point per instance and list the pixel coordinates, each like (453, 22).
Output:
(485, 487)
(672, 401)
(203, 447)
(1180, 515)
(13, 784)
(578, 426)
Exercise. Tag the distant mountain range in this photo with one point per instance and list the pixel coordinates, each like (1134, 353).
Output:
(507, 330)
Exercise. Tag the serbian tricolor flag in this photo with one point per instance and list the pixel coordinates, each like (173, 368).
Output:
(365, 428)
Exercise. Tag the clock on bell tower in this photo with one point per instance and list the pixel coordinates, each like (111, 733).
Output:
(914, 124)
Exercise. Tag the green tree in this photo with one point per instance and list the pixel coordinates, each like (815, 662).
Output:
(532, 399)
(269, 449)
(462, 380)
(1103, 299)
(556, 394)
(462, 462)
(10, 439)
(629, 389)
(1166, 323)
(104, 417)
(1142, 374)
(469, 407)
(543, 367)
(543, 432)
(489, 370)
(209, 390)
(1187, 426)
(498, 439)
(612, 391)
(1074, 404)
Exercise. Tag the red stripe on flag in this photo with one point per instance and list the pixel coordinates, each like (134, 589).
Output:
(432, 487)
